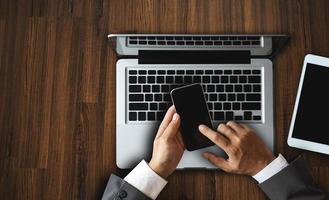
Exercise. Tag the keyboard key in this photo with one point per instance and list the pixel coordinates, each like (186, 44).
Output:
(221, 97)
(142, 72)
(256, 88)
(153, 106)
(141, 116)
(237, 71)
(190, 72)
(151, 79)
(227, 71)
(189, 43)
(219, 116)
(247, 115)
(151, 116)
(209, 72)
(213, 97)
(170, 42)
(132, 71)
(206, 96)
(218, 43)
(240, 97)
(160, 79)
(146, 88)
(199, 72)
(169, 79)
(206, 79)
(237, 88)
(257, 117)
(255, 42)
(256, 71)
(242, 79)
(178, 79)
(247, 88)
(218, 71)
(138, 106)
(135, 88)
(158, 97)
(133, 42)
(254, 79)
(165, 88)
(251, 106)
(227, 43)
(233, 79)
(219, 88)
(228, 88)
(132, 116)
(136, 97)
(226, 106)
(155, 88)
(210, 88)
(180, 43)
(224, 79)
(162, 106)
(142, 79)
(217, 106)
(231, 97)
(142, 42)
(198, 42)
(210, 106)
(151, 72)
(160, 116)
(148, 97)
(166, 97)
(161, 42)
(246, 71)
(161, 72)
(236, 106)
(253, 97)
(171, 72)
(197, 79)
(229, 115)
(132, 79)
(180, 72)
(215, 79)
(188, 79)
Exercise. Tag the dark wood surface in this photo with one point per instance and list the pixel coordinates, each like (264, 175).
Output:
(57, 86)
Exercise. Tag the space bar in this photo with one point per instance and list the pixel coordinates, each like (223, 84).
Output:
(138, 106)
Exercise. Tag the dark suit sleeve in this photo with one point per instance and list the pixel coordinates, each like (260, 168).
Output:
(118, 189)
(293, 182)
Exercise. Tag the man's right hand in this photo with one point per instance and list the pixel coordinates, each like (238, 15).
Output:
(247, 153)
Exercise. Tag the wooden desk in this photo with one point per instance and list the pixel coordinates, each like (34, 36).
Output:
(57, 83)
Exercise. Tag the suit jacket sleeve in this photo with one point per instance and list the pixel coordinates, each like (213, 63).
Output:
(293, 182)
(118, 189)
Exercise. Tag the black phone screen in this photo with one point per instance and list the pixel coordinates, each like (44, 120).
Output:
(191, 106)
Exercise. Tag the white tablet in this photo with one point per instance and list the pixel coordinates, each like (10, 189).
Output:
(309, 128)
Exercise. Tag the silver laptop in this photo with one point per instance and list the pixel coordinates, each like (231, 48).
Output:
(236, 72)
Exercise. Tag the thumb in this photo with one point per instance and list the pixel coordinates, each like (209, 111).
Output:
(216, 160)
(172, 128)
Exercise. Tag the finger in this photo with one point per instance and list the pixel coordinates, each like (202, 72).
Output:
(246, 127)
(235, 126)
(172, 129)
(216, 160)
(218, 139)
(166, 120)
(227, 131)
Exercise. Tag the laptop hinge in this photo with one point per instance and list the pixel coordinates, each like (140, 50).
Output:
(193, 57)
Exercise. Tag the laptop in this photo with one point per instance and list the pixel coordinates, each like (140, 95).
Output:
(235, 70)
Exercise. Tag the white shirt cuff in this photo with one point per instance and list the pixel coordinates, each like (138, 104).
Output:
(271, 169)
(143, 178)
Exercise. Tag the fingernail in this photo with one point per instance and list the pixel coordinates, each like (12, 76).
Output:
(202, 127)
(175, 117)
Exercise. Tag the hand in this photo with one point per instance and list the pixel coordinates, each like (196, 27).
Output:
(247, 153)
(168, 146)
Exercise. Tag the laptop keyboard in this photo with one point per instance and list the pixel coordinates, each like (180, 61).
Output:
(231, 94)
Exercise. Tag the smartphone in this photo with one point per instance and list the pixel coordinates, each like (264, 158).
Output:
(191, 106)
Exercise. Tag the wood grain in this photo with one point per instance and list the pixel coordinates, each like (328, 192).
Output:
(57, 83)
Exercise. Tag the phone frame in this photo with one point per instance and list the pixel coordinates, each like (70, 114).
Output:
(300, 143)
(172, 99)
